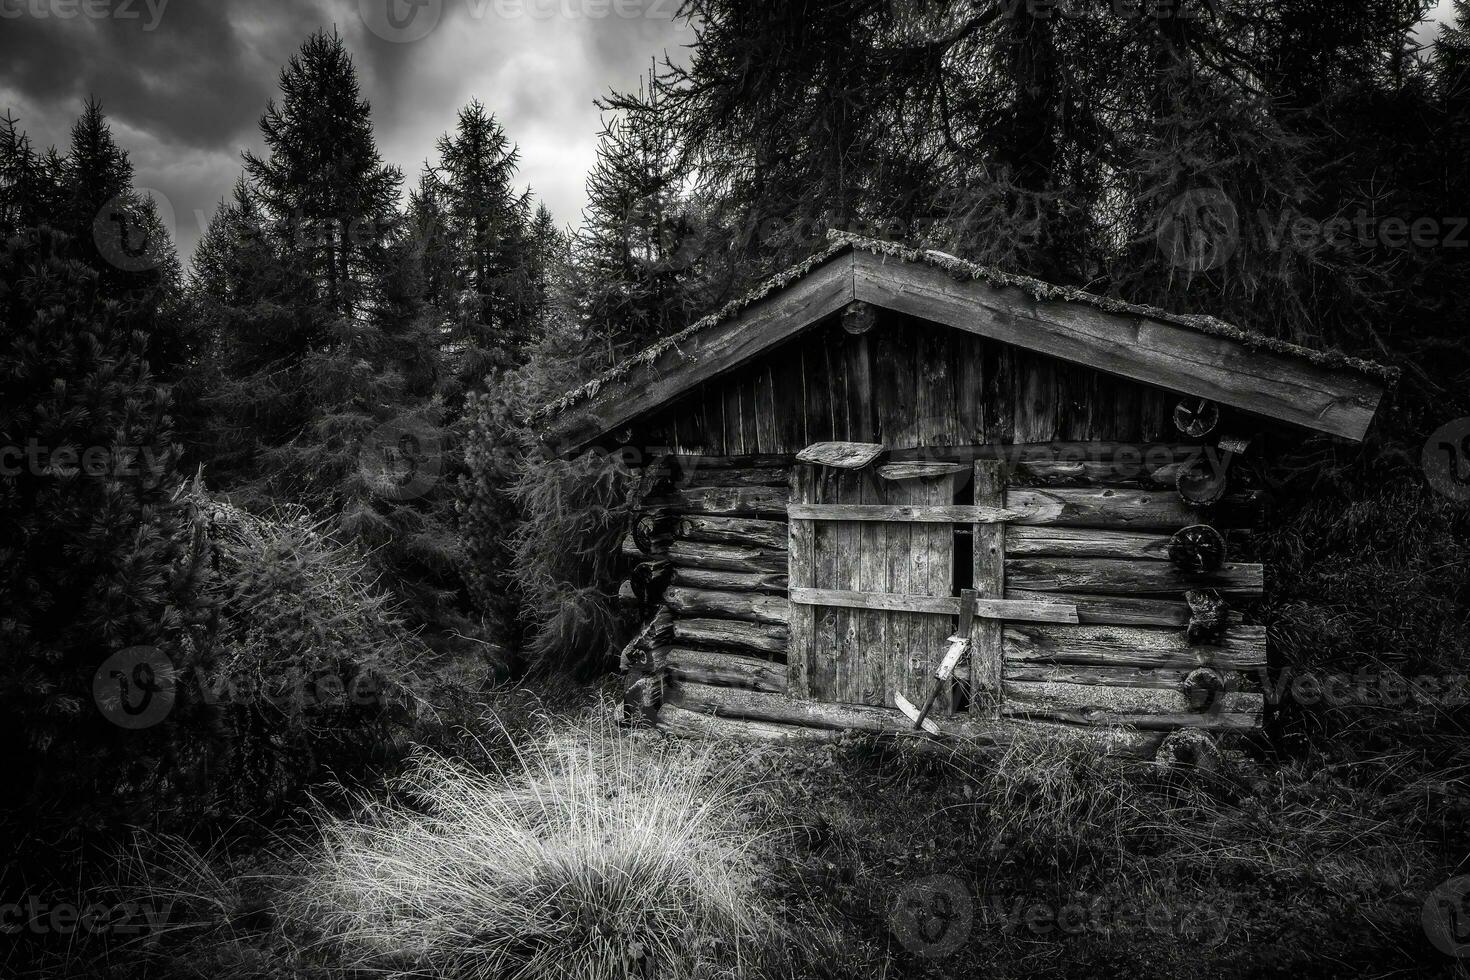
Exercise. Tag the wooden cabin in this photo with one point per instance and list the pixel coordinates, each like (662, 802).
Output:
(891, 487)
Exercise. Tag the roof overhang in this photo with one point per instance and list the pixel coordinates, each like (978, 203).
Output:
(1199, 356)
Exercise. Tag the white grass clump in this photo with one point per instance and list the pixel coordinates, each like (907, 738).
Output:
(593, 856)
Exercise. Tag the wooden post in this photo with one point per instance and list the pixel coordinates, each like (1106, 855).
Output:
(800, 574)
(987, 636)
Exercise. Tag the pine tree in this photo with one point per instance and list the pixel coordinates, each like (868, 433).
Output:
(97, 548)
(323, 185)
(636, 251)
(323, 302)
(492, 306)
(296, 265)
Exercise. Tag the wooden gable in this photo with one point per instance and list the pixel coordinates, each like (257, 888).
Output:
(995, 322)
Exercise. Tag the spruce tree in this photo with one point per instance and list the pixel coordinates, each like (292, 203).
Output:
(98, 553)
(491, 307)
(298, 352)
(636, 251)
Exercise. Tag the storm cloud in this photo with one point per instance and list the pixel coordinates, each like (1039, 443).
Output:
(184, 81)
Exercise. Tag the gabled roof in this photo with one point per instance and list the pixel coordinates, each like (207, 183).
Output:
(1190, 353)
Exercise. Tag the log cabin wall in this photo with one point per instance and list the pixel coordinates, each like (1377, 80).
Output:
(1092, 457)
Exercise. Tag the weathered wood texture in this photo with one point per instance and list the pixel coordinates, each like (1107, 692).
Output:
(774, 713)
(988, 564)
(919, 471)
(902, 513)
(732, 634)
(757, 608)
(1243, 648)
(1106, 576)
(865, 650)
(734, 530)
(843, 455)
(1338, 401)
(707, 354)
(907, 385)
(725, 670)
(1032, 612)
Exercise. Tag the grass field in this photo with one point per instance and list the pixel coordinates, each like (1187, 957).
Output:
(567, 847)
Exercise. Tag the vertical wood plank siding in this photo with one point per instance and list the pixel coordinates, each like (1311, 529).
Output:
(907, 384)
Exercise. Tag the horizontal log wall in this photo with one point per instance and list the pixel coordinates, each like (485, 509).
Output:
(719, 556)
(724, 542)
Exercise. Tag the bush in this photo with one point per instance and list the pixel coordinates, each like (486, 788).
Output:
(541, 535)
(565, 557)
(96, 556)
(592, 859)
(310, 664)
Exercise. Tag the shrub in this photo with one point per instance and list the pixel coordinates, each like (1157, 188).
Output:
(540, 535)
(309, 664)
(591, 859)
(565, 556)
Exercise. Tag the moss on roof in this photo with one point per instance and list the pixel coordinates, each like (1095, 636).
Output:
(841, 243)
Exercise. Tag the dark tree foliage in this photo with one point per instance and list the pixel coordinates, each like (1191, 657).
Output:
(98, 553)
(323, 182)
(327, 366)
(637, 253)
(487, 292)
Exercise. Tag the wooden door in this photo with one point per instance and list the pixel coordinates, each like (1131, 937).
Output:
(872, 600)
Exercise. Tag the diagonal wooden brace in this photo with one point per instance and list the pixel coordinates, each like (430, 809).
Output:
(959, 645)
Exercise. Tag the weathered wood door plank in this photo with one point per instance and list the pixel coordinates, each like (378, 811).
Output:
(987, 647)
(1004, 609)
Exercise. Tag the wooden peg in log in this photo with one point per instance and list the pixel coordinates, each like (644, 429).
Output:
(859, 318)
(1204, 690)
(1202, 482)
(1208, 615)
(1199, 548)
(1196, 419)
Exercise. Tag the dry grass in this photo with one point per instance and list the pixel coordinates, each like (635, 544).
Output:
(592, 856)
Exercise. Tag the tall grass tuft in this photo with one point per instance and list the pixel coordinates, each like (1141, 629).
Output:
(590, 856)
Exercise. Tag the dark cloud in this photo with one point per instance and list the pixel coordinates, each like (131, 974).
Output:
(184, 81)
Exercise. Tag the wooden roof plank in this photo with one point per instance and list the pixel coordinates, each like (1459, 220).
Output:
(1320, 391)
(1337, 401)
(722, 348)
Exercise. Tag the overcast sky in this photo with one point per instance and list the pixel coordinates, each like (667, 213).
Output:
(184, 81)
